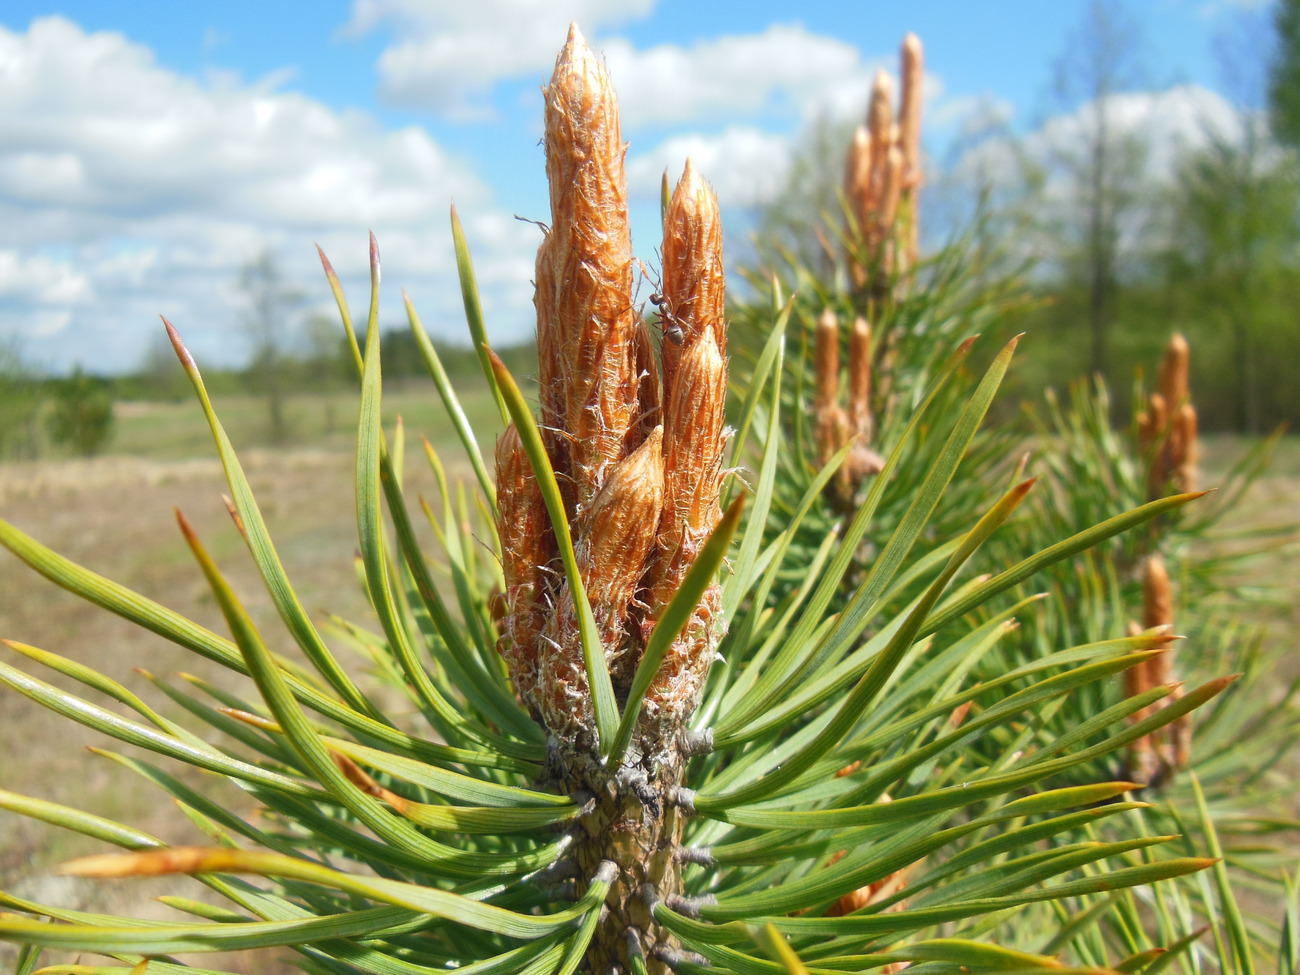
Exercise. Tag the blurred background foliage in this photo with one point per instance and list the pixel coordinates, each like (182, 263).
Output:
(1110, 260)
(1113, 260)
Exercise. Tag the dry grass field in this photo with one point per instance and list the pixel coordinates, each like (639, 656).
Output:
(114, 514)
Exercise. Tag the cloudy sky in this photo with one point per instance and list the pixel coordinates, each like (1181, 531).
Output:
(149, 150)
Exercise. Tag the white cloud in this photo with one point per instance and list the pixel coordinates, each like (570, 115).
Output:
(91, 121)
(785, 69)
(451, 53)
(449, 56)
(961, 115)
(1165, 124)
(812, 80)
(768, 87)
(745, 165)
(147, 190)
(1151, 133)
(41, 280)
(127, 189)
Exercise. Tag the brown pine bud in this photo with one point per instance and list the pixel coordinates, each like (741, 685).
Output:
(857, 173)
(826, 360)
(527, 546)
(832, 432)
(1171, 742)
(1188, 455)
(649, 391)
(1158, 424)
(909, 112)
(585, 322)
(695, 385)
(1135, 677)
(857, 199)
(1145, 431)
(615, 532)
(1174, 371)
(1157, 594)
(693, 449)
(910, 102)
(693, 440)
(694, 282)
(1141, 751)
(880, 117)
(613, 537)
(909, 137)
(883, 135)
(860, 419)
(891, 190)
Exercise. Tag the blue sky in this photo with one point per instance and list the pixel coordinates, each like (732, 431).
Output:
(150, 149)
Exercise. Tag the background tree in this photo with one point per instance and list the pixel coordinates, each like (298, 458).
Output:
(20, 404)
(327, 365)
(82, 414)
(1232, 234)
(271, 331)
(1100, 172)
(1232, 231)
(158, 376)
(1284, 84)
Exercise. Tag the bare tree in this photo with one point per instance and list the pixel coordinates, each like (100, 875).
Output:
(1100, 61)
(270, 328)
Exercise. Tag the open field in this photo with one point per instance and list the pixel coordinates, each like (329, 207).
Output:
(1273, 500)
(327, 421)
(113, 514)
